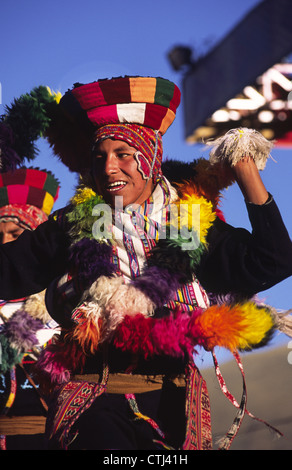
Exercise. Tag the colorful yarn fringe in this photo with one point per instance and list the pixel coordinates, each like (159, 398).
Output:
(108, 299)
(239, 327)
(18, 336)
(124, 313)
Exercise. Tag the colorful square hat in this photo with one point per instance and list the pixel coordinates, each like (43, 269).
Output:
(29, 186)
(147, 101)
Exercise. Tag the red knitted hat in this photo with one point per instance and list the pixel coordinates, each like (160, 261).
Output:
(25, 215)
(146, 101)
(147, 141)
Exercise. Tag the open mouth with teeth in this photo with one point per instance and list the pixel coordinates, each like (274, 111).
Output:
(116, 186)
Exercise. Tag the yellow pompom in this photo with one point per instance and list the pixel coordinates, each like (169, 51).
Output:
(48, 203)
(82, 195)
(256, 324)
(57, 96)
(195, 213)
(242, 326)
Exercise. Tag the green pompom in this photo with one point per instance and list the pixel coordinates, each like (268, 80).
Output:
(82, 220)
(28, 119)
(9, 356)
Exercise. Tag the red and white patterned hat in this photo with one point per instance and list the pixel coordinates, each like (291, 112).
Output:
(146, 101)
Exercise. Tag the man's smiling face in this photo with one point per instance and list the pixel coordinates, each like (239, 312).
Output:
(115, 172)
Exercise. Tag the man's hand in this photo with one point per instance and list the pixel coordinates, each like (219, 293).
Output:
(250, 182)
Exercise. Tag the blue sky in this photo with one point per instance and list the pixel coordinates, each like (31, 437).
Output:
(58, 43)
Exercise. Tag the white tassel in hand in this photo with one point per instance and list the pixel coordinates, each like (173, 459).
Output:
(238, 143)
(284, 322)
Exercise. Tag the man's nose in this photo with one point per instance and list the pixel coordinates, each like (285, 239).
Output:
(111, 164)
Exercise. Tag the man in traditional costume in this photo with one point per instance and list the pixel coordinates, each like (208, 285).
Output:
(27, 196)
(141, 268)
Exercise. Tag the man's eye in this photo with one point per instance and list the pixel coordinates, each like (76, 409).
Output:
(123, 155)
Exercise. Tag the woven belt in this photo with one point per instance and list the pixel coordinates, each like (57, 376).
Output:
(11, 426)
(130, 383)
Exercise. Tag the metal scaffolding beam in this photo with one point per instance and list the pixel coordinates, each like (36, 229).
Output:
(261, 39)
